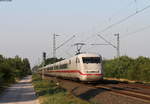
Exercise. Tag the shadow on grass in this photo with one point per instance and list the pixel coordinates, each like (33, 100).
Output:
(90, 94)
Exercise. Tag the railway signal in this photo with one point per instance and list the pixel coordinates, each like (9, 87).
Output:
(43, 64)
(44, 56)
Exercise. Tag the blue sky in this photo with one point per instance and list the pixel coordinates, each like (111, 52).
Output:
(27, 26)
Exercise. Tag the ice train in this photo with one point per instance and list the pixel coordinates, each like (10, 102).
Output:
(83, 67)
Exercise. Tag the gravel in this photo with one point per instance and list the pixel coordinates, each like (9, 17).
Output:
(94, 95)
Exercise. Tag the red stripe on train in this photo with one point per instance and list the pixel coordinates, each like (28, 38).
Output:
(73, 71)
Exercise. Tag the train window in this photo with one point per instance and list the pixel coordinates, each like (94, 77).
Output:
(55, 67)
(50, 68)
(91, 60)
(64, 66)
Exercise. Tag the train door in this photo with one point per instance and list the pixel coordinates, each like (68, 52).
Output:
(78, 68)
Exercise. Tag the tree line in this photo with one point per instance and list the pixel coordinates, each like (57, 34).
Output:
(128, 68)
(13, 68)
(122, 67)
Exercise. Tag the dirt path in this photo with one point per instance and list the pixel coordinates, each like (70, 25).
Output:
(20, 93)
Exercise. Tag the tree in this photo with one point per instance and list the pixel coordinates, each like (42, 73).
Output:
(52, 60)
(27, 68)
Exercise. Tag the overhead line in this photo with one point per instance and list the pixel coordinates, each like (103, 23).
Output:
(107, 41)
(117, 23)
(67, 52)
(124, 19)
(66, 42)
(139, 30)
(114, 14)
(109, 18)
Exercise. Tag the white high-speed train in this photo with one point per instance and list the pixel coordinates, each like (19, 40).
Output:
(84, 67)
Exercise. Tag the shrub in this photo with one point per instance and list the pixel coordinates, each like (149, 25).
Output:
(126, 67)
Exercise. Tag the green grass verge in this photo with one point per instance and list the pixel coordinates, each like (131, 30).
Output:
(3, 86)
(49, 93)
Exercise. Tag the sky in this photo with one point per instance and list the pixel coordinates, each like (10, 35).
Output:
(27, 27)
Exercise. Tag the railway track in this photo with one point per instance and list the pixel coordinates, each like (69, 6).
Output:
(137, 86)
(121, 89)
(144, 96)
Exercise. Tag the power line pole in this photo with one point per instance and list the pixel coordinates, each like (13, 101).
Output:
(118, 45)
(54, 45)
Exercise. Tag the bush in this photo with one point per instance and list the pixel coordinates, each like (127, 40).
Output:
(12, 68)
(7, 73)
(126, 67)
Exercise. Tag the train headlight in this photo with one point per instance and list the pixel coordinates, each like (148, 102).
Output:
(92, 71)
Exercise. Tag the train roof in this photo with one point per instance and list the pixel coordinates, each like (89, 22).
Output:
(67, 60)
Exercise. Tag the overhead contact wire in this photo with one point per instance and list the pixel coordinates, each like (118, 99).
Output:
(126, 18)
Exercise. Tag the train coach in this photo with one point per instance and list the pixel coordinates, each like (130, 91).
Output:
(83, 67)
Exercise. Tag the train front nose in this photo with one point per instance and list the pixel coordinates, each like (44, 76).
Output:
(92, 69)
(91, 77)
(92, 73)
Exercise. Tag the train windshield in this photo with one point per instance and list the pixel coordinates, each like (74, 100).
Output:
(91, 59)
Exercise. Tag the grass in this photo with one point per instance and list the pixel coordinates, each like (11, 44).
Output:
(3, 86)
(49, 93)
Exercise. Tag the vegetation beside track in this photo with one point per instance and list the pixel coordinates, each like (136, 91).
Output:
(124, 67)
(50, 93)
(128, 68)
(12, 69)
